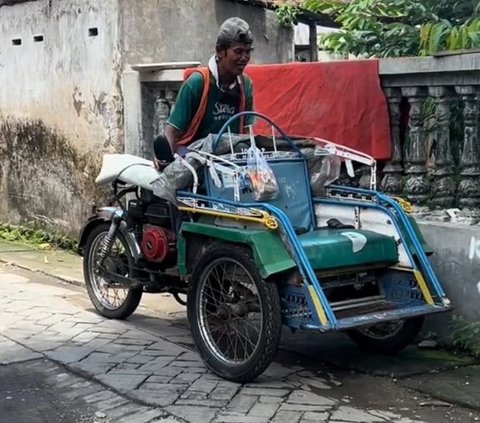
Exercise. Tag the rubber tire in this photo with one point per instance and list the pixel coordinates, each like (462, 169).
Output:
(390, 345)
(272, 316)
(134, 295)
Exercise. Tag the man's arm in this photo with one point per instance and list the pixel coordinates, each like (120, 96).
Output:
(173, 135)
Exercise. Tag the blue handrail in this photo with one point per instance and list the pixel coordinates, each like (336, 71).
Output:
(409, 229)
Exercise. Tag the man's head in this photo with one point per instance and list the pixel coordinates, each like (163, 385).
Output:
(234, 44)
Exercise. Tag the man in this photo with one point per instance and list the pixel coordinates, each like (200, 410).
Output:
(208, 98)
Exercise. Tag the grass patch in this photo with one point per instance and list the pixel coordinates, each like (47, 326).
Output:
(38, 238)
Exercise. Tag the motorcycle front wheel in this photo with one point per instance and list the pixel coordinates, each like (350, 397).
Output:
(111, 301)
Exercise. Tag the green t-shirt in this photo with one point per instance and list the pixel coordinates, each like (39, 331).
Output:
(221, 106)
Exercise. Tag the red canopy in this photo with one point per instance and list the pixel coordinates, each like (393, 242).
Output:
(339, 101)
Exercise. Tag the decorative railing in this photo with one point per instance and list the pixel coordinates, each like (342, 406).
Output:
(434, 115)
(434, 167)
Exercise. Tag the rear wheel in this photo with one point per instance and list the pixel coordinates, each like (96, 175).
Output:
(388, 337)
(234, 314)
(108, 298)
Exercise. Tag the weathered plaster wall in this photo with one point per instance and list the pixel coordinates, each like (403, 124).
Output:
(155, 31)
(456, 261)
(60, 107)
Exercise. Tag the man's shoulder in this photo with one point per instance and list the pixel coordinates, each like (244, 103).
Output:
(194, 80)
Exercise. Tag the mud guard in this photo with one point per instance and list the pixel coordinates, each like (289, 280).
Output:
(104, 215)
(269, 252)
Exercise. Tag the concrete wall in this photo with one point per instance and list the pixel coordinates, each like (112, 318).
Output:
(60, 107)
(456, 261)
(155, 31)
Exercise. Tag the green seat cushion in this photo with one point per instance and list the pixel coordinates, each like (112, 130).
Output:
(334, 248)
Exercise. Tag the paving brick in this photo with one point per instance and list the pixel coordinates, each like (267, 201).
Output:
(142, 416)
(84, 336)
(303, 407)
(270, 400)
(287, 416)
(68, 354)
(263, 410)
(315, 417)
(121, 383)
(238, 418)
(91, 367)
(185, 378)
(242, 402)
(15, 353)
(158, 379)
(224, 392)
(167, 371)
(306, 397)
(351, 414)
(193, 413)
(265, 392)
(203, 386)
(201, 403)
(155, 397)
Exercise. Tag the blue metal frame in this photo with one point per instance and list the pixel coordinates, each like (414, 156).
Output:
(425, 264)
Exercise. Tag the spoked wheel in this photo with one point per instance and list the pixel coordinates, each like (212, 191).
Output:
(234, 314)
(109, 299)
(388, 337)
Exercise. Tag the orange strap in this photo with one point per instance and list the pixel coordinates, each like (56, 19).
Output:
(194, 126)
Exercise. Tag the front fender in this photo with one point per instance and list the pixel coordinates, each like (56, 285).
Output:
(103, 215)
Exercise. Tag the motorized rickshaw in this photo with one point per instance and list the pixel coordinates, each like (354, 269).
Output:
(252, 229)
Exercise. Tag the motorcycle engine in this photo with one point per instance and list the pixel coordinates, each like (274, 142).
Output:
(158, 244)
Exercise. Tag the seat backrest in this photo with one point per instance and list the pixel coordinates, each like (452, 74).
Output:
(294, 197)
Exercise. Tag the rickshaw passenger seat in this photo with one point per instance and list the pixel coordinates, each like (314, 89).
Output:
(334, 248)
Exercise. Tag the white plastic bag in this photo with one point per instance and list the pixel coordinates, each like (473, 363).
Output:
(262, 179)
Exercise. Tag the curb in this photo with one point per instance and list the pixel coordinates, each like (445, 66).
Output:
(63, 278)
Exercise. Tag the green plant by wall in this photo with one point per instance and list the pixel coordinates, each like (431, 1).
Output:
(36, 237)
(466, 335)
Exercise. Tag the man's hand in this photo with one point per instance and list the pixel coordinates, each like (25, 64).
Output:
(160, 165)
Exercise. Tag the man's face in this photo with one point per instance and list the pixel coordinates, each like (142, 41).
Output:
(235, 58)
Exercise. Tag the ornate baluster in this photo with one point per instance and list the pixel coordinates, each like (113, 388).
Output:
(162, 111)
(417, 185)
(443, 189)
(469, 187)
(392, 179)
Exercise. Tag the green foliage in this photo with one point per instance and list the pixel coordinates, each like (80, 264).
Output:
(36, 237)
(393, 28)
(287, 13)
(466, 335)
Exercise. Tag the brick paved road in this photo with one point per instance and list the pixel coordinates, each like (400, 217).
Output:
(149, 375)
